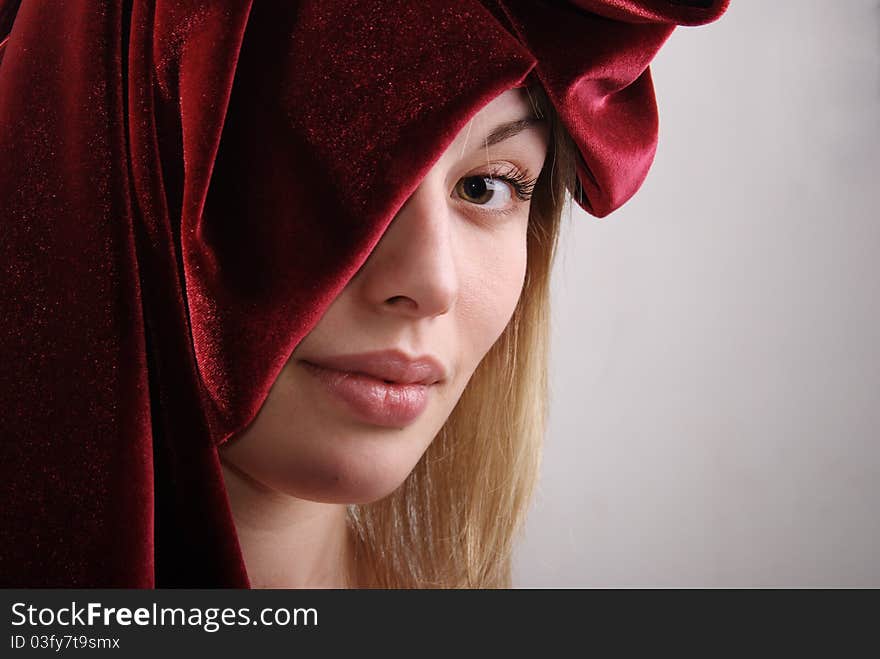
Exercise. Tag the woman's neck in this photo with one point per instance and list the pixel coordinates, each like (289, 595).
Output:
(287, 542)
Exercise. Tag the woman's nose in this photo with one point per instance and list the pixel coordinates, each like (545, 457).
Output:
(412, 269)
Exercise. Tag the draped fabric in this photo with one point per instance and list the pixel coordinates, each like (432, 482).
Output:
(186, 186)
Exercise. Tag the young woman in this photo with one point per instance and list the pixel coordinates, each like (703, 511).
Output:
(275, 277)
(455, 298)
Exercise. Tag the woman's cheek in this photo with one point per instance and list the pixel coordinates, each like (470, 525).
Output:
(491, 288)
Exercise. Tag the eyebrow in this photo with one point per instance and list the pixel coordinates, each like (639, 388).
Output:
(507, 130)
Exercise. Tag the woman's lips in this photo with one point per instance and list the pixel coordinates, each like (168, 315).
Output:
(372, 400)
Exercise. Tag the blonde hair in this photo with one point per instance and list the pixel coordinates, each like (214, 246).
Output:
(453, 521)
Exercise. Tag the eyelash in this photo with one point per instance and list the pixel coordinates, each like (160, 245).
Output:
(523, 185)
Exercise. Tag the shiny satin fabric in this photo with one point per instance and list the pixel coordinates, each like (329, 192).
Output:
(184, 189)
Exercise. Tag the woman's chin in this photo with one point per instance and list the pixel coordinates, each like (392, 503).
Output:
(331, 477)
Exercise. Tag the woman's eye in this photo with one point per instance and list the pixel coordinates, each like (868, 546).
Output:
(484, 191)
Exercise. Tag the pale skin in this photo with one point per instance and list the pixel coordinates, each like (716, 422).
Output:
(443, 280)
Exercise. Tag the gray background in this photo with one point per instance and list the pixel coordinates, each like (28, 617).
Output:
(715, 413)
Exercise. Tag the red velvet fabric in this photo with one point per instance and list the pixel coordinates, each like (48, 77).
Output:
(186, 186)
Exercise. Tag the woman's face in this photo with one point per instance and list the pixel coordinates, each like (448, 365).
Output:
(440, 286)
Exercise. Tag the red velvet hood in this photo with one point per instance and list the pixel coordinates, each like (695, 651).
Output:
(173, 226)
